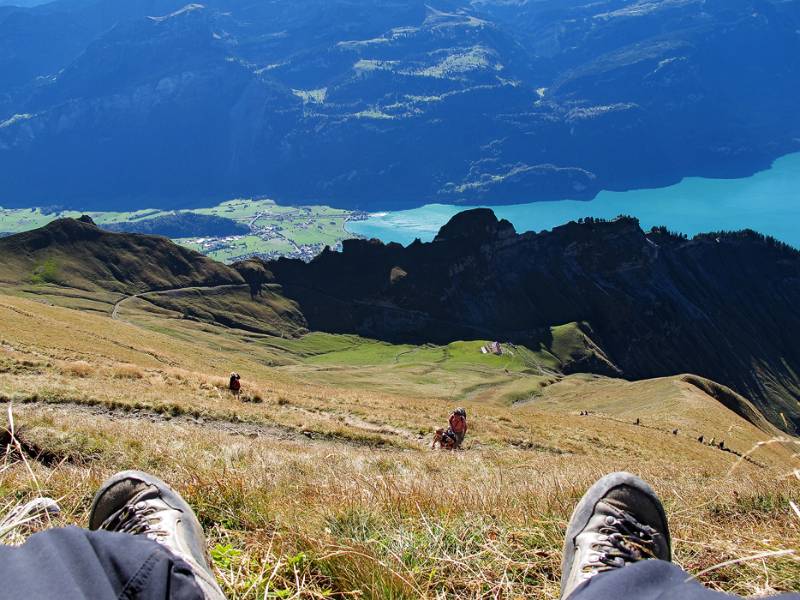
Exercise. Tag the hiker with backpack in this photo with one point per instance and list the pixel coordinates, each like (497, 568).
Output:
(235, 385)
(452, 437)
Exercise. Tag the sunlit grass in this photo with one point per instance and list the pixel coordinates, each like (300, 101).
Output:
(322, 485)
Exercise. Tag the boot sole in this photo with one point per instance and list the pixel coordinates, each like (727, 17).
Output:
(585, 509)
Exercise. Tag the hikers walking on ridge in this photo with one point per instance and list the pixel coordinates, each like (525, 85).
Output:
(452, 437)
(145, 543)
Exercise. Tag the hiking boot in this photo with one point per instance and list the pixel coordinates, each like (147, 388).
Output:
(619, 521)
(141, 504)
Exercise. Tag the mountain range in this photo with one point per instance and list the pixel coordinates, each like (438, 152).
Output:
(639, 305)
(602, 298)
(388, 104)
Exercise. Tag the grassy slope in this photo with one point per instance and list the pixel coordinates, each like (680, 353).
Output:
(361, 504)
(269, 313)
(79, 256)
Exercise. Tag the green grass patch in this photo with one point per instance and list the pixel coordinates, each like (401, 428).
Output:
(45, 272)
(351, 350)
(275, 230)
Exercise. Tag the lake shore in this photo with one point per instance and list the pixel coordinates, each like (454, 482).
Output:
(768, 202)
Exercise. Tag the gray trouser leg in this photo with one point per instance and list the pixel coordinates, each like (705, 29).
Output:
(650, 580)
(77, 564)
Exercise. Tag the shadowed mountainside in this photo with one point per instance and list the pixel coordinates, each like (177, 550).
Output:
(647, 304)
(182, 225)
(483, 101)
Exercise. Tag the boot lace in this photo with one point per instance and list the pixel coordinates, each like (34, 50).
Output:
(136, 519)
(621, 540)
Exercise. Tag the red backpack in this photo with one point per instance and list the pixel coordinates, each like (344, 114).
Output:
(458, 423)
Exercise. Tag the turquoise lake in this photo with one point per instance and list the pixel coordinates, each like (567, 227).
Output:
(768, 202)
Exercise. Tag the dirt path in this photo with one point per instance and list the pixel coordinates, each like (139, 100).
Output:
(675, 433)
(118, 303)
(138, 415)
(172, 291)
(272, 431)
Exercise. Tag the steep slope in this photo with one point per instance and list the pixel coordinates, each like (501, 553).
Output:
(41, 345)
(722, 306)
(340, 101)
(230, 307)
(326, 467)
(76, 253)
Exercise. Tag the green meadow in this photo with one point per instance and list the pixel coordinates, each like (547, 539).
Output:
(296, 231)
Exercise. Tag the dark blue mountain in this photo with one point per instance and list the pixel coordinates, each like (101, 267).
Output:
(23, 3)
(388, 103)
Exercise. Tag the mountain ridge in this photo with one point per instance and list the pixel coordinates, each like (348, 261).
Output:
(649, 304)
(593, 296)
(338, 102)
(76, 253)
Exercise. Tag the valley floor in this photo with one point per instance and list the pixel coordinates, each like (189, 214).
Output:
(319, 482)
(291, 231)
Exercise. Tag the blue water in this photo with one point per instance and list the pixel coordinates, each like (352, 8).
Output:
(768, 202)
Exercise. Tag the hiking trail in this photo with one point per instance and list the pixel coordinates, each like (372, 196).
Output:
(172, 291)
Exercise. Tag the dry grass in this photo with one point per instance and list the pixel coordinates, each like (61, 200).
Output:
(326, 488)
(127, 372)
(79, 368)
(317, 518)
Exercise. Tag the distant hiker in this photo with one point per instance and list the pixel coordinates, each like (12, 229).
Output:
(638, 421)
(453, 436)
(235, 385)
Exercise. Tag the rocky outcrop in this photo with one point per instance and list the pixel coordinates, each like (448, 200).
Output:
(722, 306)
(255, 273)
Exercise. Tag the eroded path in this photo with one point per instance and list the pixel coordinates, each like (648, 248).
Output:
(118, 304)
(230, 425)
